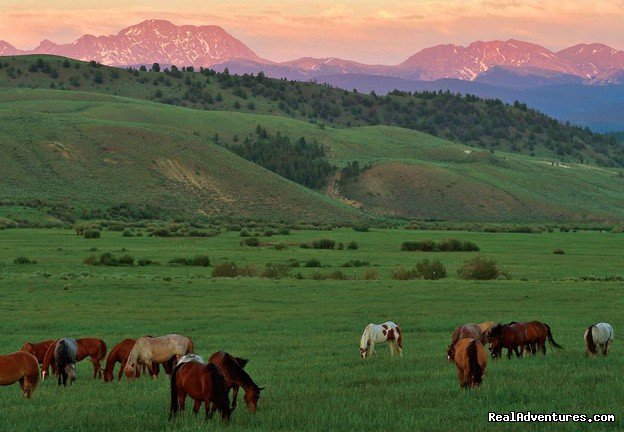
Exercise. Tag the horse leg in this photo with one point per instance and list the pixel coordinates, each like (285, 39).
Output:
(181, 400)
(235, 389)
(64, 379)
(120, 371)
(96, 367)
(151, 370)
(604, 348)
(196, 406)
(607, 346)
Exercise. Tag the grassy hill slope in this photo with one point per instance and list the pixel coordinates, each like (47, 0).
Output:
(487, 124)
(100, 150)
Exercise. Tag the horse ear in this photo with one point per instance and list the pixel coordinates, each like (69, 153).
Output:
(261, 388)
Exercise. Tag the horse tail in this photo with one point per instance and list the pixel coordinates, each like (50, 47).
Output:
(551, 340)
(399, 337)
(476, 371)
(241, 362)
(175, 407)
(102, 350)
(589, 340)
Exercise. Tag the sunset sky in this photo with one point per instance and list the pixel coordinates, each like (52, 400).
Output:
(370, 31)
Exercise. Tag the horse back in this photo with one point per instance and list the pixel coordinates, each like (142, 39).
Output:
(37, 349)
(16, 365)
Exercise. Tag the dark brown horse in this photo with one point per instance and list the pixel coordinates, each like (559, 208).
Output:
(464, 331)
(236, 377)
(537, 334)
(95, 349)
(470, 360)
(120, 353)
(512, 336)
(203, 383)
(20, 367)
(37, 349)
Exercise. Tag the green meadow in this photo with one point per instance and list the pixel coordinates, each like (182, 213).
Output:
(301, 335)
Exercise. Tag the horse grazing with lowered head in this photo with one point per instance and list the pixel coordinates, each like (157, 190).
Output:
(470, 360)
(148, 351)
(20, 367)
(378, 333)
(204, 383)
(464, 331)
(485, 329)
(512, 336)
(537, 333)
(95, 349)
(65, 352)
(601, 335)
(233, 369)
(38, 349)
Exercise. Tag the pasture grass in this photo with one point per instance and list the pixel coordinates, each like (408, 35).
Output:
(302, 335)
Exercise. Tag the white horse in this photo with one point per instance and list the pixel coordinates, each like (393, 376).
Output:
(377, 333)
(600, 334)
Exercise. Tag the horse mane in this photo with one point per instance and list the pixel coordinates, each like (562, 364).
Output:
(241, 362)
(365, 337)
(473, 359)
(589, 340)
(495, 330)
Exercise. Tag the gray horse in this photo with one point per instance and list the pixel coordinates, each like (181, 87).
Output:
(65, 352)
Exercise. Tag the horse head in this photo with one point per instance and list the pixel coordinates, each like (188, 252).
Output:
(251, 398)
(70, 370)
(363, 352)
(130, 372)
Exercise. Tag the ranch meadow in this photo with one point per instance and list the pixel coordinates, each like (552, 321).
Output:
(276, 219)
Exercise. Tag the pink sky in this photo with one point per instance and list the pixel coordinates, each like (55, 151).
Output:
(370, 31)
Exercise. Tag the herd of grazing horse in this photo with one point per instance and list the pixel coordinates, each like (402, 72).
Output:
(467, 348)
(208, 383)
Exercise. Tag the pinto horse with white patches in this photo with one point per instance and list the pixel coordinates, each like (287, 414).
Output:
(378, 333)
(598, 335)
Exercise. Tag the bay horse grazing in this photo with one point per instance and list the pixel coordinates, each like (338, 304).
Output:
(95, 349)
(203, 383)
(65, 352)
(601, 335)
(38, 349)
(512, 336)
(464, 331)
(471, 361)
(148, 351)
(537, 335)
(378, 333)
(20, 367)
(236, 377)
(119, 354)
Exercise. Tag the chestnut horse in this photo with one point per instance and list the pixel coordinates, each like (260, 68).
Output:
(148, 350)
(512, 336)
(600, 334)
(464, 331)
(537, 334)
(95, 349)
(20, 367)
(470, 360)
(203, 383)
(377, 333)
(38, 349)
(119, 354)
(236, 377)
(65, 351)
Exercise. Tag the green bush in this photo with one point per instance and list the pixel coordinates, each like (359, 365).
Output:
(91, 234)
(144, 262)
(361, 228)
(448, 245)
(293, 263)
(275, 271)
(91, 260)
(180, 261)
(323, 244)
(281, 246)
(402, 273)
(127, 233)
(225, 269)
(558, 251)
(312, 263)
(371, 274)
(353, 245)
(480, 268)
(201, 261)
(126, 260)
(20, 260)
(431, 270)
(251, 242)
(356, 263)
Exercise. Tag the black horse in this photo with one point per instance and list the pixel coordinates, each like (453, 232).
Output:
(65, 352)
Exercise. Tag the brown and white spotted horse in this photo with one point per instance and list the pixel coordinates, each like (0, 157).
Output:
(377, 333)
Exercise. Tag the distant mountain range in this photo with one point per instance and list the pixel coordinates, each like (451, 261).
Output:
(508, 70)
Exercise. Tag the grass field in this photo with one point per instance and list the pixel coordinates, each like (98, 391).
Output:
(302, 335)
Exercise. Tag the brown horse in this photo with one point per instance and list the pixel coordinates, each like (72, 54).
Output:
(95, 349)
(37, 349)
(236, 377)
(470, 360)
(485, 329)
(149, 350)
(537, 334)
(464, 331)
(20, 367)
(120, 353)
(203, 383)
(512, 336)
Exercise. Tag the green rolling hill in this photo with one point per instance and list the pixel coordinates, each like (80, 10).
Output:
(95, 150)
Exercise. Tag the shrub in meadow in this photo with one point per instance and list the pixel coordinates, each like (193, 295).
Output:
(323, 244)
(251, 242)
(480, 268)
(201, 261)
(371, 274)
(431, 270)
(21, 260)
(225, 269)
(275, 271)
(313, 263)
(353, 245)
(91, 234)
(558, 251)
(401, 273)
